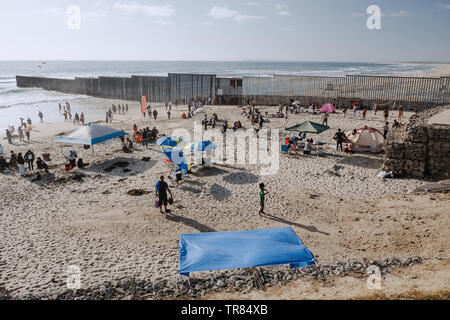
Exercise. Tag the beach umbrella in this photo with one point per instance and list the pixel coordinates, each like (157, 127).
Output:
(201, 146)
(309, 127)
(328, 108)
(171, 142)
(198, 111)
(176, 156)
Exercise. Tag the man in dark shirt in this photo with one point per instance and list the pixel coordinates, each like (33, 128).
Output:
(339, 137)
(161, 189)
(145, 138)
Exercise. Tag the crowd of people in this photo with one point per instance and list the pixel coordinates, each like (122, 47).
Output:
(22, 163)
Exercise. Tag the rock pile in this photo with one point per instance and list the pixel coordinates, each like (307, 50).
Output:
(420, 149)
(241, 280)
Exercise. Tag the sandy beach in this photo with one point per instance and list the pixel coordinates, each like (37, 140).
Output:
(335, 203)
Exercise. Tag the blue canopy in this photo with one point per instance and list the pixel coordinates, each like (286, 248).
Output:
(201, 146)
(91, 134)
(171, 142)
(177, 157)
(242, 249)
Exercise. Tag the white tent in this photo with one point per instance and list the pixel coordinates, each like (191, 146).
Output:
(91, 134)
(367, 140)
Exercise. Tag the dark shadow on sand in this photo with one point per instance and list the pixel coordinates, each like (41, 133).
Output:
(209, 172)
(190, 189)
(189, 222)
(134, 165)
(241, 178)
(220, 193)
(308, 228)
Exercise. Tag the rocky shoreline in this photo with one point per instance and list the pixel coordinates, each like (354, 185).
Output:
(241, 280)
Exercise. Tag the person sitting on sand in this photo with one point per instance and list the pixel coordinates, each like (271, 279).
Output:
(13, 161)
(3, 164)
(154, 134)
(161, 189)
(129, 144)
(183, 116)
(81, 164)
(396, 124)
(41, 165)
(308, 146)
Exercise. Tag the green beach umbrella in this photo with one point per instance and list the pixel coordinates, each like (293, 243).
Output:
(309, 127)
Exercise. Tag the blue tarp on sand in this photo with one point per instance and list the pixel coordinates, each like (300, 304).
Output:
(242, 249)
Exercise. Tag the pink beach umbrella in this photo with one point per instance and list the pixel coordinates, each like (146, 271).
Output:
(328, 108)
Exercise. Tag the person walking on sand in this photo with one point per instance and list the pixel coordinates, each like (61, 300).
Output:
(20, 131)
(386, 130)
(21, 163)
(375, 110)
(27, 132)
(126, 108)
(9, 136)
(161, 189)
(41, 116)
(262, 197)
(364, 114)
(345, 111)
(386, 114)
(339, 137)
(168, 114)
(325, 119)
(400, 113)
(155, 114)
(82, 118)
(145, 134)
(355, 108)
(29, 159)
(65, 115)
(60, 107)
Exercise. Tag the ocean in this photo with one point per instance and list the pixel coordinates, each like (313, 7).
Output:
(16, 102)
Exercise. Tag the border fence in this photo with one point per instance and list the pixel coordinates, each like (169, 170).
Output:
(412, 92)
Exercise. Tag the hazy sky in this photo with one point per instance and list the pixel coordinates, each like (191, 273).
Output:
(295, 30)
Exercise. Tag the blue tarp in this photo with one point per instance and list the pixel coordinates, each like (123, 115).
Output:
(242, 249)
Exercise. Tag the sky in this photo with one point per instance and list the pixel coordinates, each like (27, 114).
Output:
(225, 30)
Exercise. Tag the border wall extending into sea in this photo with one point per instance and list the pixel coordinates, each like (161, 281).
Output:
(415, 93)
